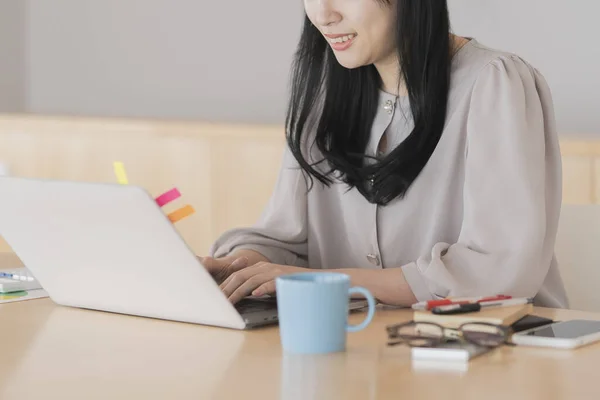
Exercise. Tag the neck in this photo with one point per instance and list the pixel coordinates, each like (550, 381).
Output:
(390, 72)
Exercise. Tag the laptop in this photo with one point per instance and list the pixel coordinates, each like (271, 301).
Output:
(110, 247)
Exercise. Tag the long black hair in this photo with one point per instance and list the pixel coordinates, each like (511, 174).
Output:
(347, 101)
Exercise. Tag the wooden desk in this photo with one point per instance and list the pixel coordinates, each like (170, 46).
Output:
(52, 352)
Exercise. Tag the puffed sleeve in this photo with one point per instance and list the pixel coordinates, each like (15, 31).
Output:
(512, 192)
(280, 234)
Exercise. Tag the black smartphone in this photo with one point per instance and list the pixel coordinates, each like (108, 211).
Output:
(529, 322)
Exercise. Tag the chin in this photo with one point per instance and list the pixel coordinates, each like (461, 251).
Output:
(349, 62)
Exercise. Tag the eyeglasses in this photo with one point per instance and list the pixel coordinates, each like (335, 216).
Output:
(429, 334)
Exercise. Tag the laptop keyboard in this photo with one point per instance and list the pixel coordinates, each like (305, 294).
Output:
(246, 306)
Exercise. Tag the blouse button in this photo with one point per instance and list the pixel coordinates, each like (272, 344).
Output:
(389, 106)
(374, 259)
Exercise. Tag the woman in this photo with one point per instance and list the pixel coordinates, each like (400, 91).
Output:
(420, 163)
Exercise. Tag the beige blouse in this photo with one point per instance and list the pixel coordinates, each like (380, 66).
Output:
(482, 217)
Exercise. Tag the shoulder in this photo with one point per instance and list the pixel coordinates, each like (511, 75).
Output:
(506, 100)
(477, 64)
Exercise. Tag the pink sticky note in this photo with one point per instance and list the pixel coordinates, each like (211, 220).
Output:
(168, 197)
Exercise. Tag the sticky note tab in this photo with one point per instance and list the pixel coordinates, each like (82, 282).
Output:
(181, 213)
(168, 197)
(120, 173)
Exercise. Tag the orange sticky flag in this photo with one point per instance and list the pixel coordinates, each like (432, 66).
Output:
(181, 213)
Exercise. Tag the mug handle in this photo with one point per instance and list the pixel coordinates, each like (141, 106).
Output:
(371, 312)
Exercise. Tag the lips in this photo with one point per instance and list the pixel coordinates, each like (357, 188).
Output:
(340, 38)
(341, 42)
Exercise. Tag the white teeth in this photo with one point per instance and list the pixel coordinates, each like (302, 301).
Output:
(342, 39)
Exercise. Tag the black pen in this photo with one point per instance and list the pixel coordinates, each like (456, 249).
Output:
(456, 308)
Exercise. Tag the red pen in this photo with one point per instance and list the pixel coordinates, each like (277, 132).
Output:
(428, 305)
(466, 308)
(494, 298)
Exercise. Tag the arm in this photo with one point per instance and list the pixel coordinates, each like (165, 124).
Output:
(280, 234)
(512, 197)
(512, 193)
(388, 286)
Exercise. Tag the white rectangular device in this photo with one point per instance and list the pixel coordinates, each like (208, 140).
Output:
(11, 285)
(110, 247)
(563, 335)
(16, 280)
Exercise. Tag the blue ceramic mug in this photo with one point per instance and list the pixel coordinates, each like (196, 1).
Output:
(313, 311)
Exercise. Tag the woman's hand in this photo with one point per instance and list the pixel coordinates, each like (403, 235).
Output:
(222, 268)
(257, 280)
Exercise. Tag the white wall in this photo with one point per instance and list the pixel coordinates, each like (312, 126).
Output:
(223, 60)
(12, 55)
(559, 37)
(216, 60)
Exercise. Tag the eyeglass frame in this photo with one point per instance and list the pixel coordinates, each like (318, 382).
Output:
(445, 338)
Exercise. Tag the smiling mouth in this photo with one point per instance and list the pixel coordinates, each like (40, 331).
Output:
(341, 39)
(341, 42)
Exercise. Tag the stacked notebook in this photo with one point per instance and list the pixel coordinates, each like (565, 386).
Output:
(496, 315)
(459, 353)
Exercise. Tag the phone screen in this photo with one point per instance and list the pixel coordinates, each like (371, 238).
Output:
(568, 329)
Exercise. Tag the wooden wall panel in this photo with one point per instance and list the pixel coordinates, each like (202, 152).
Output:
(577, 179)
(212, 165)
(226, 171)
(244, 174)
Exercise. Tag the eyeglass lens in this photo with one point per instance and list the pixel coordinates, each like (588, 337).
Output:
(422, 334)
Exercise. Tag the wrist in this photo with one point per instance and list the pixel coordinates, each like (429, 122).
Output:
(388, 286)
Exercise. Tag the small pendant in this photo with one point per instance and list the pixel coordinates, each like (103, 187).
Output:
(389, 106)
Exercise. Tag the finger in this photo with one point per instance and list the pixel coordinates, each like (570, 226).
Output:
(212, 265)
(237, 276)
(232, 283)
(207, 261)
(238, 264)
(246, 288)
(244, 274)
(215, 267)
(266, 288)
(237, 279)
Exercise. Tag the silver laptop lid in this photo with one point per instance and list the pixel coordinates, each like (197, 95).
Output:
(108, 247)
